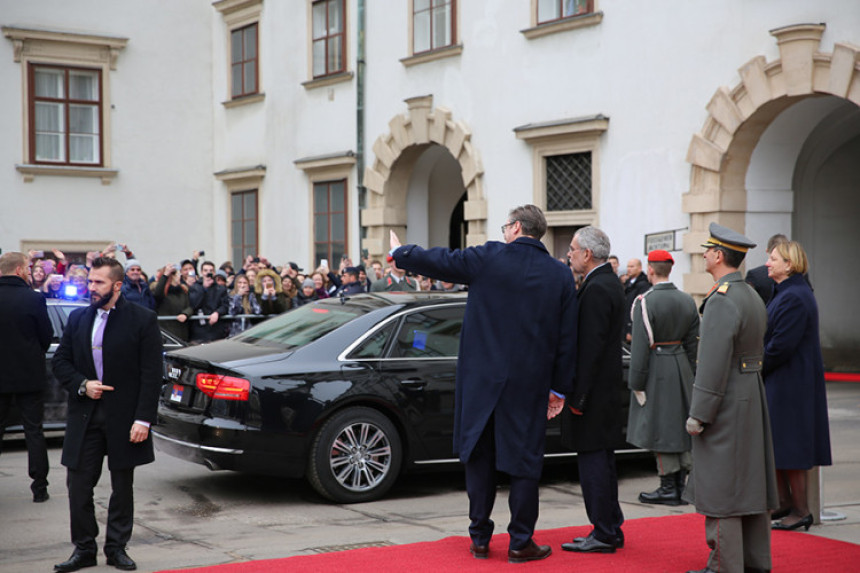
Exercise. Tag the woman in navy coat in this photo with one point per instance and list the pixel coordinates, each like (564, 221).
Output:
(794, 380)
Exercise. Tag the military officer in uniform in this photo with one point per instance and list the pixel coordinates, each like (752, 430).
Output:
(662, 363)
(733, 483)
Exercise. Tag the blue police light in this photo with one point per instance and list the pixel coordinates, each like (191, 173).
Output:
(70, 291)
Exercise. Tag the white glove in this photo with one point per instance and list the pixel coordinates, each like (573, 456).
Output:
(694, 427)
(640, 397)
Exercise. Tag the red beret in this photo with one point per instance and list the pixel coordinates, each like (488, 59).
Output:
(660, 256)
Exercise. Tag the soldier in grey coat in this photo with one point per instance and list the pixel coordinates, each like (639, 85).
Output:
(662, 362)
(733, 481)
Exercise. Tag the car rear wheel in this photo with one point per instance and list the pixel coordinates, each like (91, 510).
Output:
(356, 456)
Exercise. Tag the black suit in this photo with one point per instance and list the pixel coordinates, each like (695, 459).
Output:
(132, 352)
(633, 287)
(763, 284)
(25, 334)
(597, 394)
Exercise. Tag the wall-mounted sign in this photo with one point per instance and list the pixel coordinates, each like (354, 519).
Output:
(664, 240)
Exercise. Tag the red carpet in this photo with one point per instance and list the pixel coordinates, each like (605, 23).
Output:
(841, 377)
(675, 543)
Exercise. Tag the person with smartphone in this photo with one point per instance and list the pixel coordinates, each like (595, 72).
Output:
(210, 301)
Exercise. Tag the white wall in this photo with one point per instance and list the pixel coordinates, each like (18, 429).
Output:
(651, 68)
(160, 202)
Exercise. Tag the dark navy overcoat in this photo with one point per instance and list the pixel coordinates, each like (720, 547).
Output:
(794, 378)
(518, 341)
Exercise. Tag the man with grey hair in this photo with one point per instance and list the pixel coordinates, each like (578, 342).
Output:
(517, 350)
(593, 418)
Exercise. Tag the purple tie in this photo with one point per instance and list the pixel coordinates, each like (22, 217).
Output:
(98, 337)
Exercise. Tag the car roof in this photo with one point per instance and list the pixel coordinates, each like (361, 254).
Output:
(406, 300)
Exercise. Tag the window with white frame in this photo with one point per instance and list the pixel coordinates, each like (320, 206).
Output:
(433, 25)
(66, 110)
(328, 46)
(552, 10)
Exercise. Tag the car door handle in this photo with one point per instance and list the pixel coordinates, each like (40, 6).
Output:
(417, 382)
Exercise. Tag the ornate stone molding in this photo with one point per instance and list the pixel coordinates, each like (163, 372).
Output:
(386, 202)
(719, 154)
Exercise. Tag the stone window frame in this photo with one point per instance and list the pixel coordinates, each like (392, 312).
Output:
(334, 167)
(575, 135)
(239, 180)
(240, 14)
(66, 50)
(538, 30)
(455, 48)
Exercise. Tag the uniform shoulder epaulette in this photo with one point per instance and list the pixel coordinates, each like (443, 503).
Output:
(723, 288)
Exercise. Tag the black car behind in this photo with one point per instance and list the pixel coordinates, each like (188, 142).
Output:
(345, 392)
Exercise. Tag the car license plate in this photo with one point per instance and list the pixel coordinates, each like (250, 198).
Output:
(176, 395)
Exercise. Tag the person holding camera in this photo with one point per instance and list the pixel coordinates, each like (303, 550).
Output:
(171, 299)
(208, 299)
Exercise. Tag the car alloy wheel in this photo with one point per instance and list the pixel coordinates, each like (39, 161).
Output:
(356, 456)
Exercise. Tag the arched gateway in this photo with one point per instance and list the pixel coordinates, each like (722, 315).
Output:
(778, 153)
(426, 176)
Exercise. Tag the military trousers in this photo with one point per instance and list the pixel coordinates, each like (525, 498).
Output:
(671, 463)
(739, 542)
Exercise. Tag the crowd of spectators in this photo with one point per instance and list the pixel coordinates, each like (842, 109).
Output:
(199, 302)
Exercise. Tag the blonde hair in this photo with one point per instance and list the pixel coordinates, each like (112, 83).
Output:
(792, 253)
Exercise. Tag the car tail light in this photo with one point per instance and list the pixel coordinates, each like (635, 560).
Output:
(224, 387)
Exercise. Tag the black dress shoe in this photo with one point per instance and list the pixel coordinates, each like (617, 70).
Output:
(121, 560)
(805, 522)
(589, 545)
(41, 496)
(531, 552)
(479, 551)
(75, 562)
(619, 541)
(705, 570)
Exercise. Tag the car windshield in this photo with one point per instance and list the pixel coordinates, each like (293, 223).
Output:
(300, 326)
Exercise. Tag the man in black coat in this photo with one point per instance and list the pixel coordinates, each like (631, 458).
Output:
(209, 299)
(593, 416)
(110, 363)
(517, 353)
(757, 277)
(25, 334)
(636, 284)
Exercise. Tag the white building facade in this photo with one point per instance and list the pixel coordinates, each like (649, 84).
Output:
(305, 129)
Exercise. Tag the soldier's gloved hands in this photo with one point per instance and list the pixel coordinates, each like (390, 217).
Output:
(640, 397)
(694, 427)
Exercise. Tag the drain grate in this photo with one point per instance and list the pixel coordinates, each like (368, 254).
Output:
(347, 547)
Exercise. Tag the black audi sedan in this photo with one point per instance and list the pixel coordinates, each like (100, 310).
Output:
(345, 392)
(55, 396)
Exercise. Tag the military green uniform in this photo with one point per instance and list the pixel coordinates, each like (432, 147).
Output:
(662, 363)
(733, 482)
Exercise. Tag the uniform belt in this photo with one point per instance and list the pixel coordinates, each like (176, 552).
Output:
(670, 343)
(750, 363)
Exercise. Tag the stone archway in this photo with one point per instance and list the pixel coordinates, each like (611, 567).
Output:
(409, 135)
(720, 153)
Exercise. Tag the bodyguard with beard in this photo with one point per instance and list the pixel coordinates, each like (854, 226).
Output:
(109, 361)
